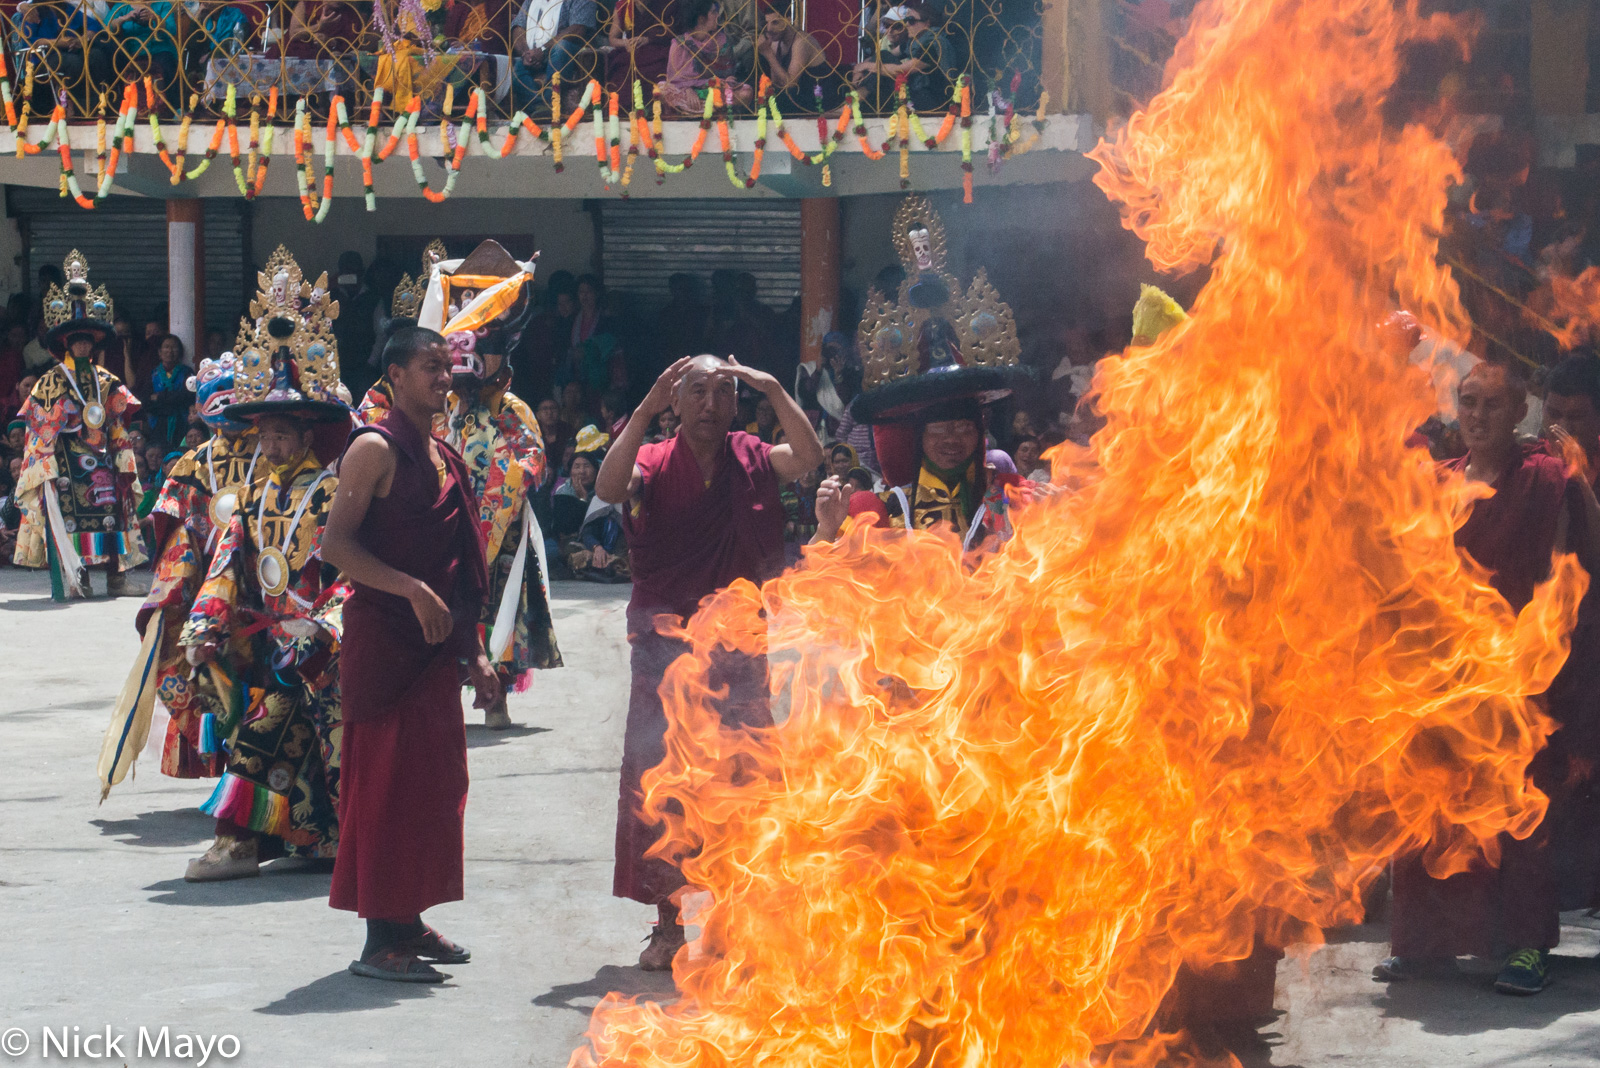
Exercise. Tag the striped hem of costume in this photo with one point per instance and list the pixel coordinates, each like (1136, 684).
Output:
(248, 805)
(210, 744)
(101, 543)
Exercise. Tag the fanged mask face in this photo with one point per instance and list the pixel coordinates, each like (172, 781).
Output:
(465, 361)
(213, 391)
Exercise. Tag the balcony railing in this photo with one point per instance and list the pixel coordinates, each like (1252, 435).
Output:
(522, 53)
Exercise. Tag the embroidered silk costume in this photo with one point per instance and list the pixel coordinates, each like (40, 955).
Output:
(198, 499)
(78, 488)
(281, 729)
(269, 604)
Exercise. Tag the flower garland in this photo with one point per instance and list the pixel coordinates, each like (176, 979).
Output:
(966, 144)
(174, 166)
(122, 140)
(69, 179)
(454, 162)
(559, 129)
(867, 150)
(216, 136)
(254, 176)
(616, 154)
(950, 115)
(20, 129)
(761, 136)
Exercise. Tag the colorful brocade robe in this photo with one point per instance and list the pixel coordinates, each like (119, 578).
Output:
(938, 501)
(278, 722)
(90, 471)
(197, 500)
(498, 437)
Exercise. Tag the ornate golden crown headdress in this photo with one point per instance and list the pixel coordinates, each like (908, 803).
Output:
(409, 294)
(75, 299)
(930, 324)
(288, 313)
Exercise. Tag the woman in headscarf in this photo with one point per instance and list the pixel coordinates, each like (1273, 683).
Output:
(588, 530)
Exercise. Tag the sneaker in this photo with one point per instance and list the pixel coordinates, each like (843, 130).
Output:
(664, 945)
(1398, 969)
(228, 858)
(1526, 972)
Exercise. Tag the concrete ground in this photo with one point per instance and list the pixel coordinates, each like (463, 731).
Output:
(101, 930)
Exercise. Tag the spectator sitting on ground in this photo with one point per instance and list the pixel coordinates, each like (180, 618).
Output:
(195, 436)
(16, 437)
(10, 514)
(589, 532)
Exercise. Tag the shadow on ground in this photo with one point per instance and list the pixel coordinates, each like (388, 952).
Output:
(481, 737)
(1467, 1004)
(270, 886)
(171, 827)
(343, 992)
(580, 997)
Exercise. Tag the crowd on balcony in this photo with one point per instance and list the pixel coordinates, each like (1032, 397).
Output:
(517, 50)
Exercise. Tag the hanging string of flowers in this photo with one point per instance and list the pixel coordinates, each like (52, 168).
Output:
(615, 156)
(966, 145)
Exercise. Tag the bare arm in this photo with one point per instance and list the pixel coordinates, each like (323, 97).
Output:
(368, 466)
(802, 451)
(619, 477)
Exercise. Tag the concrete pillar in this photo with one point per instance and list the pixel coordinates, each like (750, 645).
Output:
(1076, 58)
(819, 274)
(186, 273)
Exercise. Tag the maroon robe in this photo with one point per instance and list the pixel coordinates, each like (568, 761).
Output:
(403, 788)
(1486, 910)
(687, 540)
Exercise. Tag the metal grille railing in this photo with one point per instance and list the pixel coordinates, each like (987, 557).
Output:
(522, 53)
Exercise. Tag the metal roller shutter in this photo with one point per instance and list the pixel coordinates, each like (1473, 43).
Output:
(125, 239)
(228, 290)
(644, 241)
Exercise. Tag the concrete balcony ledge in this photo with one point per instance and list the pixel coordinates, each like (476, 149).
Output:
(528, 172)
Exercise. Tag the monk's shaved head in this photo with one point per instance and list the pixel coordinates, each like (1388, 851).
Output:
(707, 398)
(702, 365)
(1496, 377)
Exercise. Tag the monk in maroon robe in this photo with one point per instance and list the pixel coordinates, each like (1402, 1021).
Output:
(1511, 908)
(703, 510)
(404, 531)
(1572, 403)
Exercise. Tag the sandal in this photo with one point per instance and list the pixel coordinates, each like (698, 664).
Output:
(431, 945)
(396, 966)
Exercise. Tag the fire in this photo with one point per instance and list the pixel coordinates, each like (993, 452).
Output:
(1204, 695)
(1574, 308)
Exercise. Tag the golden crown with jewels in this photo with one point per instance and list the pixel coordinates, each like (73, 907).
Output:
(287, 356)
(930, 324)
(75, 299)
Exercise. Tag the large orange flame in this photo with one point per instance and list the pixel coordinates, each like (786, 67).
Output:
(1199, 698)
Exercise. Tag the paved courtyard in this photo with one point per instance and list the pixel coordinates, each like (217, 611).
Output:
(102, 931)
